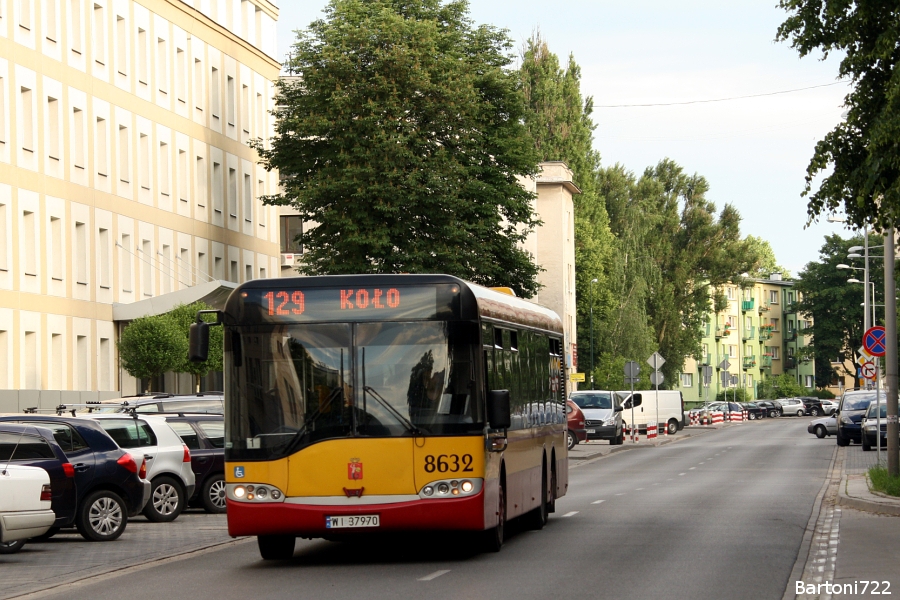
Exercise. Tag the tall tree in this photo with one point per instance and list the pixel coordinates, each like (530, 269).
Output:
(860, 156)
(560, 123)
(151, 346)
(403, 140)
(835, 307)
(768, 264)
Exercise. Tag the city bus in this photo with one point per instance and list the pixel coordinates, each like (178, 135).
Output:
(381, 403)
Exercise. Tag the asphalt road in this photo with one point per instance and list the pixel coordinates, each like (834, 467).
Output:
(718, 515)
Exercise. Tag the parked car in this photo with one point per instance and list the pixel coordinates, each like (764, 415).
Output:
(870, 424)
(108, 480)
(602, 413)
(823, 427)
(35, 446)
(792, 406)
(773, 408)
(25, 500)
(576, 431)
(666, 407)
(812, 406)
(830, 406)
(204, 435)
(204, 402)
(168, 460)
(854, 404)
(754, 411)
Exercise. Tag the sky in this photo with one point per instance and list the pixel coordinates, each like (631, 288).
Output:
(753, 151)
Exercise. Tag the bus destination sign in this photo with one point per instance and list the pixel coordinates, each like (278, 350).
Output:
(345, 304)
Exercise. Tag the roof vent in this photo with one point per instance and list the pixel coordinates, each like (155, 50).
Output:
(775, 277)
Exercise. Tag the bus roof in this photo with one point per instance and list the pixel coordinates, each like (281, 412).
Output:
(475, 300)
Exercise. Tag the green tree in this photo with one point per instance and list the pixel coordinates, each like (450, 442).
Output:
(560, 123)
(860, 156)
(742, 395)
(185, 314)
(403, 140)
(767, 262)
(783, 386)
(151, 346)
(835, 307)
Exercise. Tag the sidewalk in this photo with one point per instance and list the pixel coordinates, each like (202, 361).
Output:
(854, 491)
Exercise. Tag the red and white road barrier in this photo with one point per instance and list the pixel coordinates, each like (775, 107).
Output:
(717, 417)
(651, 431)
(735, 416)
(695, 419)
(746, 415)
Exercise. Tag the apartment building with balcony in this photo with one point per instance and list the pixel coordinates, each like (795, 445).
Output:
(125, 174)
(758, 333)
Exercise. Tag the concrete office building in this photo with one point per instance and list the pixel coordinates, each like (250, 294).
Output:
(125, 174)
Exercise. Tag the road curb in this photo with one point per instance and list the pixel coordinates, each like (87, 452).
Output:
(854, 492)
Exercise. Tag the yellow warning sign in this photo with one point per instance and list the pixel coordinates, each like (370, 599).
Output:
(577, 377)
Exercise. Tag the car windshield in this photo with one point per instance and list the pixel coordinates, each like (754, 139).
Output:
(873, 410)
(857, 401)
(593, 400)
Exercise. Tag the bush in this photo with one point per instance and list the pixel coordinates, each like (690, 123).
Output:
(822, 394)
(884, 483)
(741, 396)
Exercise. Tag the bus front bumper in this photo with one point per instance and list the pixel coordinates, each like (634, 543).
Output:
(306, 520)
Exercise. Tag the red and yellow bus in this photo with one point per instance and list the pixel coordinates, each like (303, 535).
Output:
(370, 403)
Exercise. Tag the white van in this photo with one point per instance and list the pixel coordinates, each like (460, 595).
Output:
(671, 409)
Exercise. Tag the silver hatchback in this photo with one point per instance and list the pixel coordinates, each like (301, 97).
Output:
(792, 406)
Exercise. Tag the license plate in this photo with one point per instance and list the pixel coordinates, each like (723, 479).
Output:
(345, 522)
(591, 430)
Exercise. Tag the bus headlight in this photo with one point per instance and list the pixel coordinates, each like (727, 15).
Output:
(451, 488)
(253, 493)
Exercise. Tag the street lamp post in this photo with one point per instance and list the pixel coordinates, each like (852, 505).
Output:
(593, 281)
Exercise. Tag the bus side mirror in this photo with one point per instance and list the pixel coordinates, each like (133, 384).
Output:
(198, 339)
(498, 409)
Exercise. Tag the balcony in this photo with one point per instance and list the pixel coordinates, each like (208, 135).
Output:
(790, 363)
(749, 362)
(763, 307)
(723, 331)
(766, 361)
(790, 336)
(790, 307)
(706, 359)
(748, 304)
(765, 333)
(749, 333)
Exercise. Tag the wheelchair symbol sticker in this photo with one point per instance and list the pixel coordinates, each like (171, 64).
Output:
(239, 472)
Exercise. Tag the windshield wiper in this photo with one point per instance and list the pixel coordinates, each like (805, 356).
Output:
(370, 390)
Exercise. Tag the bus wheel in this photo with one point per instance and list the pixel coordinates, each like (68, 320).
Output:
(276, 547)
(493, 538)
(551, 503)
(537, 518)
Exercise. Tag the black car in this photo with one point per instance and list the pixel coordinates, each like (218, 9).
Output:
(854, 404)
(812, 406)
(33, 446)
(754, 411)
(109, 481)
(204, 435)
(772, 408)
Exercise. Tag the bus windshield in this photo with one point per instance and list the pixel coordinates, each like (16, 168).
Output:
(295, 384)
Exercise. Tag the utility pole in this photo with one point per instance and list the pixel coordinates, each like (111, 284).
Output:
(890, 356)
(593, 281)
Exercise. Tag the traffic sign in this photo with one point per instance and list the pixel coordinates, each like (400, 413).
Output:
(725, 365)
(577, 377)
(706, 370)
(632, 369)
(875, 341)
(656, 378)
(868, 370)
(726, 378)
(656, 361)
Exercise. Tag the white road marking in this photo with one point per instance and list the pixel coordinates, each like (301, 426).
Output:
(700, 463)
(434, 575)
(639, 489)
(620, 494)
(598, 501)
(692, 468)
(680, 474)
(570, 514)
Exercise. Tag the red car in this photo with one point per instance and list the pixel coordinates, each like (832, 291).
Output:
(575, 420)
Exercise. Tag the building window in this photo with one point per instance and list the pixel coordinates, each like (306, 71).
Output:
(162, 69)
(214, 93)
(144, 161)
(263, 211)
(53, 133)
(103, 379)
(749, 377)
(30, 360)
(50, 20)
(126, 263)
(75, 26)
(198, 84)
(124, 163)
(25, 14)
(218, 268)
(56, 249)
(790, 352)
(98, 32)
(229, 99)
(201, 182)
(142, 57)
(234, 272)
(729, 292)
(810, 381)
(27, 121)
(248, 272)
(773, 296)
(56, 361)
(774, 323)
(291, 228)
(146, 269)
(182, 175)
(78, 138)
(232, 193)
(687, 380)
(217, 187)
(81, 258)
(100, 147)
(30, 249)
(163, 168)
(245, 110)
(773, 352)
(81, 362)
(732, 351)
(4, 236)
(180, 75)
(248, 199)
(103, 241)
(121, 45)
(2, 107)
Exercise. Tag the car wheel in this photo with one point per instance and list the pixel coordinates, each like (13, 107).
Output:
(841, 440)
(571, 440)
(276, 547)
(493, 538)
(166, 500)
(102, 516)
(672, 427)
(814, 412)
(11, 547)
(820, 431)
(773, 413)
(213, 494)
(799, 413)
